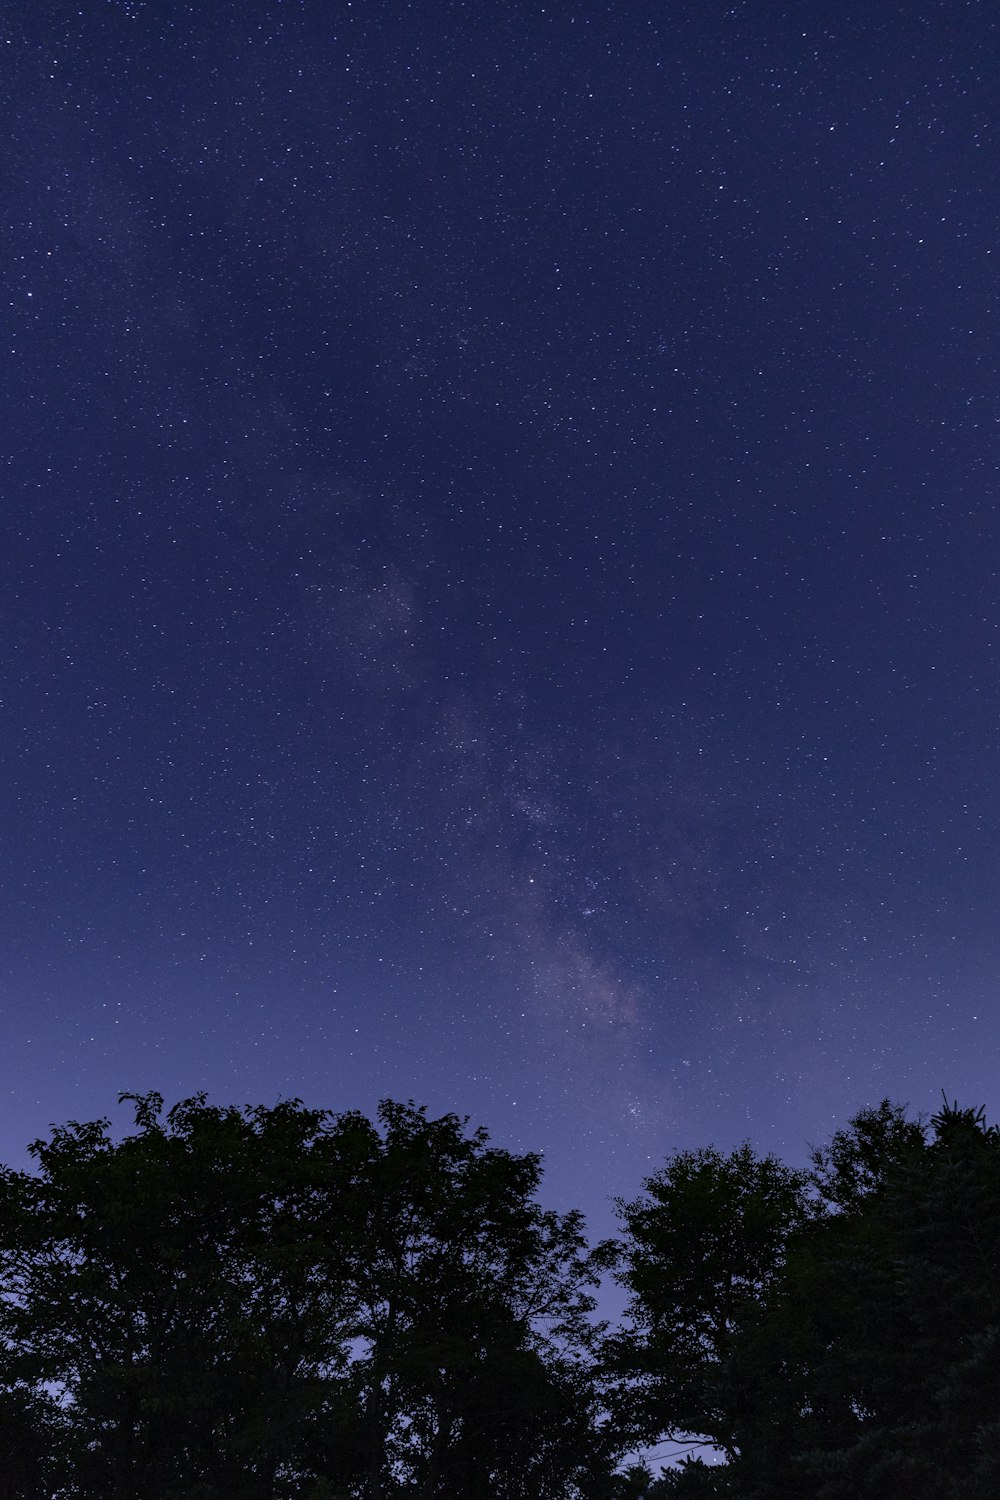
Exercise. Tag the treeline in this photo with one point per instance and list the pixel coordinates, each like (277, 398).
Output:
(282, 1302)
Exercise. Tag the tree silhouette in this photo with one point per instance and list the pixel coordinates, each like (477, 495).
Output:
(274, 1302)
(703, 1246)
(264, 1303)
(837, 1333)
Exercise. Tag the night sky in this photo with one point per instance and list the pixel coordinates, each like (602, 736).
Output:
(499, 565)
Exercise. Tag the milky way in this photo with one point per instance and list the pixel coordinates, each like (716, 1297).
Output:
(499, 573)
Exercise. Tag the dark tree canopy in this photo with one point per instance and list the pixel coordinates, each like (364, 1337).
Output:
(261, 1303)
(704, 1243)
(835, 1334)
(280, 1301)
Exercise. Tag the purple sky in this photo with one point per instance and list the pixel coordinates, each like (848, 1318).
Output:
(499, 568)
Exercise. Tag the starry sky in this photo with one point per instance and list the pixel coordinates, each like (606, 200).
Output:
(499, 565)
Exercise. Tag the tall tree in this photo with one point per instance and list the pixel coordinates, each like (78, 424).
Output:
(266, 1303)
(475, 1369)
(172, 1286)
(914, 1270)
(702, 1246)
(841, 1340)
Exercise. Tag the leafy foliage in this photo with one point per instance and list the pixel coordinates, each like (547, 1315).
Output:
(704, 1243)
(264, 1303)
(834, 1334)
(276, 1302)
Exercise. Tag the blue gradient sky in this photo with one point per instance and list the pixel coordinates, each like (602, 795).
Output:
(499, 575)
